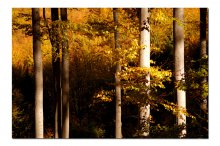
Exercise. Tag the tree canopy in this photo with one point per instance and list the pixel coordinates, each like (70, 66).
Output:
(92, 67)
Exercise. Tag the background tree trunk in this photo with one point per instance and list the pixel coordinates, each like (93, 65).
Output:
(38, 68)
(118, 123)
(145, 62)
(56, 70)
(179, 64)
(203, 53)
(65, 76)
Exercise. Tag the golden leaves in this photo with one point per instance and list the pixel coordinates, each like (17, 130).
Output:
(103, 96)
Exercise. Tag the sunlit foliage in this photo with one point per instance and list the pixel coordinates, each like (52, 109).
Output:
(92, 71)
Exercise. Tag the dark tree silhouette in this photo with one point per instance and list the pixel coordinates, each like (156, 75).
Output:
(203, 53)
(56, 69)
(65, 76)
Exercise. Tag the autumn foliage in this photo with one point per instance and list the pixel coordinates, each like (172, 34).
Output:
(90, 34)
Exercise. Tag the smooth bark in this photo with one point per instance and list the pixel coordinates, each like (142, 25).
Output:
(56, 70)
(38, 68)
(179, 65)
(145, 62)
(118, 123)
(65, 76)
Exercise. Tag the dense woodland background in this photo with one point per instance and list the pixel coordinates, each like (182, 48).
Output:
(92, 73)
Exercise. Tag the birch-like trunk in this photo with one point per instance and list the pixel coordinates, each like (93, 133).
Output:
(38, 68)
(145, 62)
(179, 65)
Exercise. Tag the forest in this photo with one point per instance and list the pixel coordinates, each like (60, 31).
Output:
(110, 73)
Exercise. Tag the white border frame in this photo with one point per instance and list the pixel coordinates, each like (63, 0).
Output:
(6, 68)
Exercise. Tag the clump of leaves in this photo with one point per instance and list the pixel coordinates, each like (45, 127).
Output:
(160, 131)
(22, 126)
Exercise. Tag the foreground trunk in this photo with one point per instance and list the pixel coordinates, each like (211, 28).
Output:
(118, 124)
(145, 62)
(179, 66)
(38, 68)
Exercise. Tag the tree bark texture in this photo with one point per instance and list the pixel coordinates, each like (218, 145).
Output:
(56, 70)
(65, 76)
(203, 53)
(179, 65)
(38, 68)
(145, 62)
(118, 123)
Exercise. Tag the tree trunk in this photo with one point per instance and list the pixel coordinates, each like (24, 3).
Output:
(38, 68)
(65, 76)
(56, 70)
(118, 123)
(203, 53)
(145, 62)
(179, 65)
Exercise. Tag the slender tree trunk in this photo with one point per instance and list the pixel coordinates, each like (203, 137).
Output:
(179, 65)
(118, 123)
(65, 76)
(56, 70)
(203, 53)
(38, 68)
(204, 80)
(145, 62)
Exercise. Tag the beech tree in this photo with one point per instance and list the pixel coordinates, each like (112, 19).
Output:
(38, 68)
(118, 124)
(203, 54)
(56, 69)
(65, 75)
(178, 33)
(145, 63)
(101, 82)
